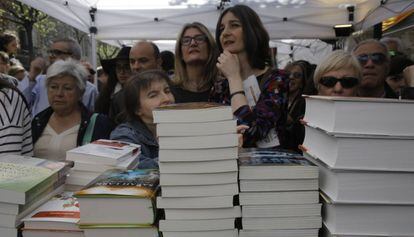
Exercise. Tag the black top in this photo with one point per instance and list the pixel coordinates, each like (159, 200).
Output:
(183, 96)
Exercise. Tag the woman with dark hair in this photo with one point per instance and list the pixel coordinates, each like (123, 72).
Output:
(257, 93)
(142, 94)
(9, 43)
(195, 64)
(15, 121)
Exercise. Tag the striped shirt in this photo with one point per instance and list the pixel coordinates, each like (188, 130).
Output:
(15, 124)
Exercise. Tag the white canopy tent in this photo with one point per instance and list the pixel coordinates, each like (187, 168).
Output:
(162, 19)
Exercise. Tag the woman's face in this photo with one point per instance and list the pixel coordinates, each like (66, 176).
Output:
(343, 82)
(231, 37)
(63, 94)
(194, 47)
(295, 79)
(156, 95)
(12, 47)
(122, 70)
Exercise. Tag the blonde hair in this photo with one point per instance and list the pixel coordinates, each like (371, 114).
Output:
(210, 69)
(337, 60)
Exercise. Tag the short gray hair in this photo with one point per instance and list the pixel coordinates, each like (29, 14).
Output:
(337, 60)
(372, 41)
(68, 67)
(74, 47)
(400, 44)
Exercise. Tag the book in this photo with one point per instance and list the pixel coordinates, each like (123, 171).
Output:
(225, 153)
(291, 197)
(106, 152)
(274, 164)
(52, 233)
(356, 186)
(356, 115)
(111, 231)
(61, 212)
(192, 112)
(197, 167)
(197, 225)
(200, 190)
(324, 232)
(368, 219)
(119, 197)
(198, 179)
(195, 202)
(278, 185)
(23, 178)
(202, 213)
(359, 152)
(128, 164)
(298, 222)
(280, 233)
(313, 209)
(8, 231)
(11, 221)
(199, 142)
(196, 129)
(208, 233)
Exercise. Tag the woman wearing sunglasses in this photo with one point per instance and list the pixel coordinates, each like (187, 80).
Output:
(195, 64)
(338, 75)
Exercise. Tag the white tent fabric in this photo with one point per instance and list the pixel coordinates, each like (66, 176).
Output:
(162, 19)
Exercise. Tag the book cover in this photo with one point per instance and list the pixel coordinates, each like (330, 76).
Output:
(139, 183)
(103, 152)
(21, 177)
(258, 157)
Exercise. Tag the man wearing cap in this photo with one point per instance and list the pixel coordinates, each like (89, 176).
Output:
(374, 59)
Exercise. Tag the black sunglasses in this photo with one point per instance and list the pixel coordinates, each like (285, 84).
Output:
(57, 52)
(186, 40)
(376, 58)
(346, 82)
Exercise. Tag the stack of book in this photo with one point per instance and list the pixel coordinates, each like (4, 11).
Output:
(363, 148)
(198, 170)
(120, 203)
(57, 217)
(25, 184)
(91, 160)
(278, 194)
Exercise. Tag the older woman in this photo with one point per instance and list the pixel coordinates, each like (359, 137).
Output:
(66, 123)
(338, 75)
(195, 64)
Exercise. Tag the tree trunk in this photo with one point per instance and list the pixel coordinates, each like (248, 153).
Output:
(29, 33)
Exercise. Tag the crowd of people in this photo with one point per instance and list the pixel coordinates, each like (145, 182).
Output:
(56, 106)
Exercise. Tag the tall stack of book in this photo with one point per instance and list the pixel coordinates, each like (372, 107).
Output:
(278, 194)
(198, 170)
(92, 159)
(364, 149)
(25, 184)
(120, 203)
(57, 217)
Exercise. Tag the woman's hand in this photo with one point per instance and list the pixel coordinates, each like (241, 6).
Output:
(240, 130)
(229, 65)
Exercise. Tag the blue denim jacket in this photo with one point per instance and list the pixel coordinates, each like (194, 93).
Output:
(137, 132)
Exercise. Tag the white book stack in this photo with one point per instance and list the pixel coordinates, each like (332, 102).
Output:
(364, 150)
(278, 194)
(25, 184)
(91, 160)
(198, 170)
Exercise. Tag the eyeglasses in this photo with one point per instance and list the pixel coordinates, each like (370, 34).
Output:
(57, 52)
(346, 82)
(376, 58)
(199, 39)
(296, 75)
(122, 67)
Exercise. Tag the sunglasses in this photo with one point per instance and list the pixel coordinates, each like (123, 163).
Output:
(199, 39)
(297, 75)
(57, 52)
(346, 82)
(376, 58)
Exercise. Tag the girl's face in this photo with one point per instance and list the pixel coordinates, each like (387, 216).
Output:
(295, 79)
(156, 95)
(231, 37)
(12, 47)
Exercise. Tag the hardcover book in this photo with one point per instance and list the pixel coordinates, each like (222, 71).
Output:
(127, 197)
(192, 112)
(196, 129)
(106, 152)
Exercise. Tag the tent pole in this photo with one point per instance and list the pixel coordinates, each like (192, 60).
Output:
(93, 30)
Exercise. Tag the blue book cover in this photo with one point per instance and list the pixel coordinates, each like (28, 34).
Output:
(262, 157)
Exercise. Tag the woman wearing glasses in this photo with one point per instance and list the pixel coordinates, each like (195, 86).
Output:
(256, 92)
(338, 75)
(195, 64)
